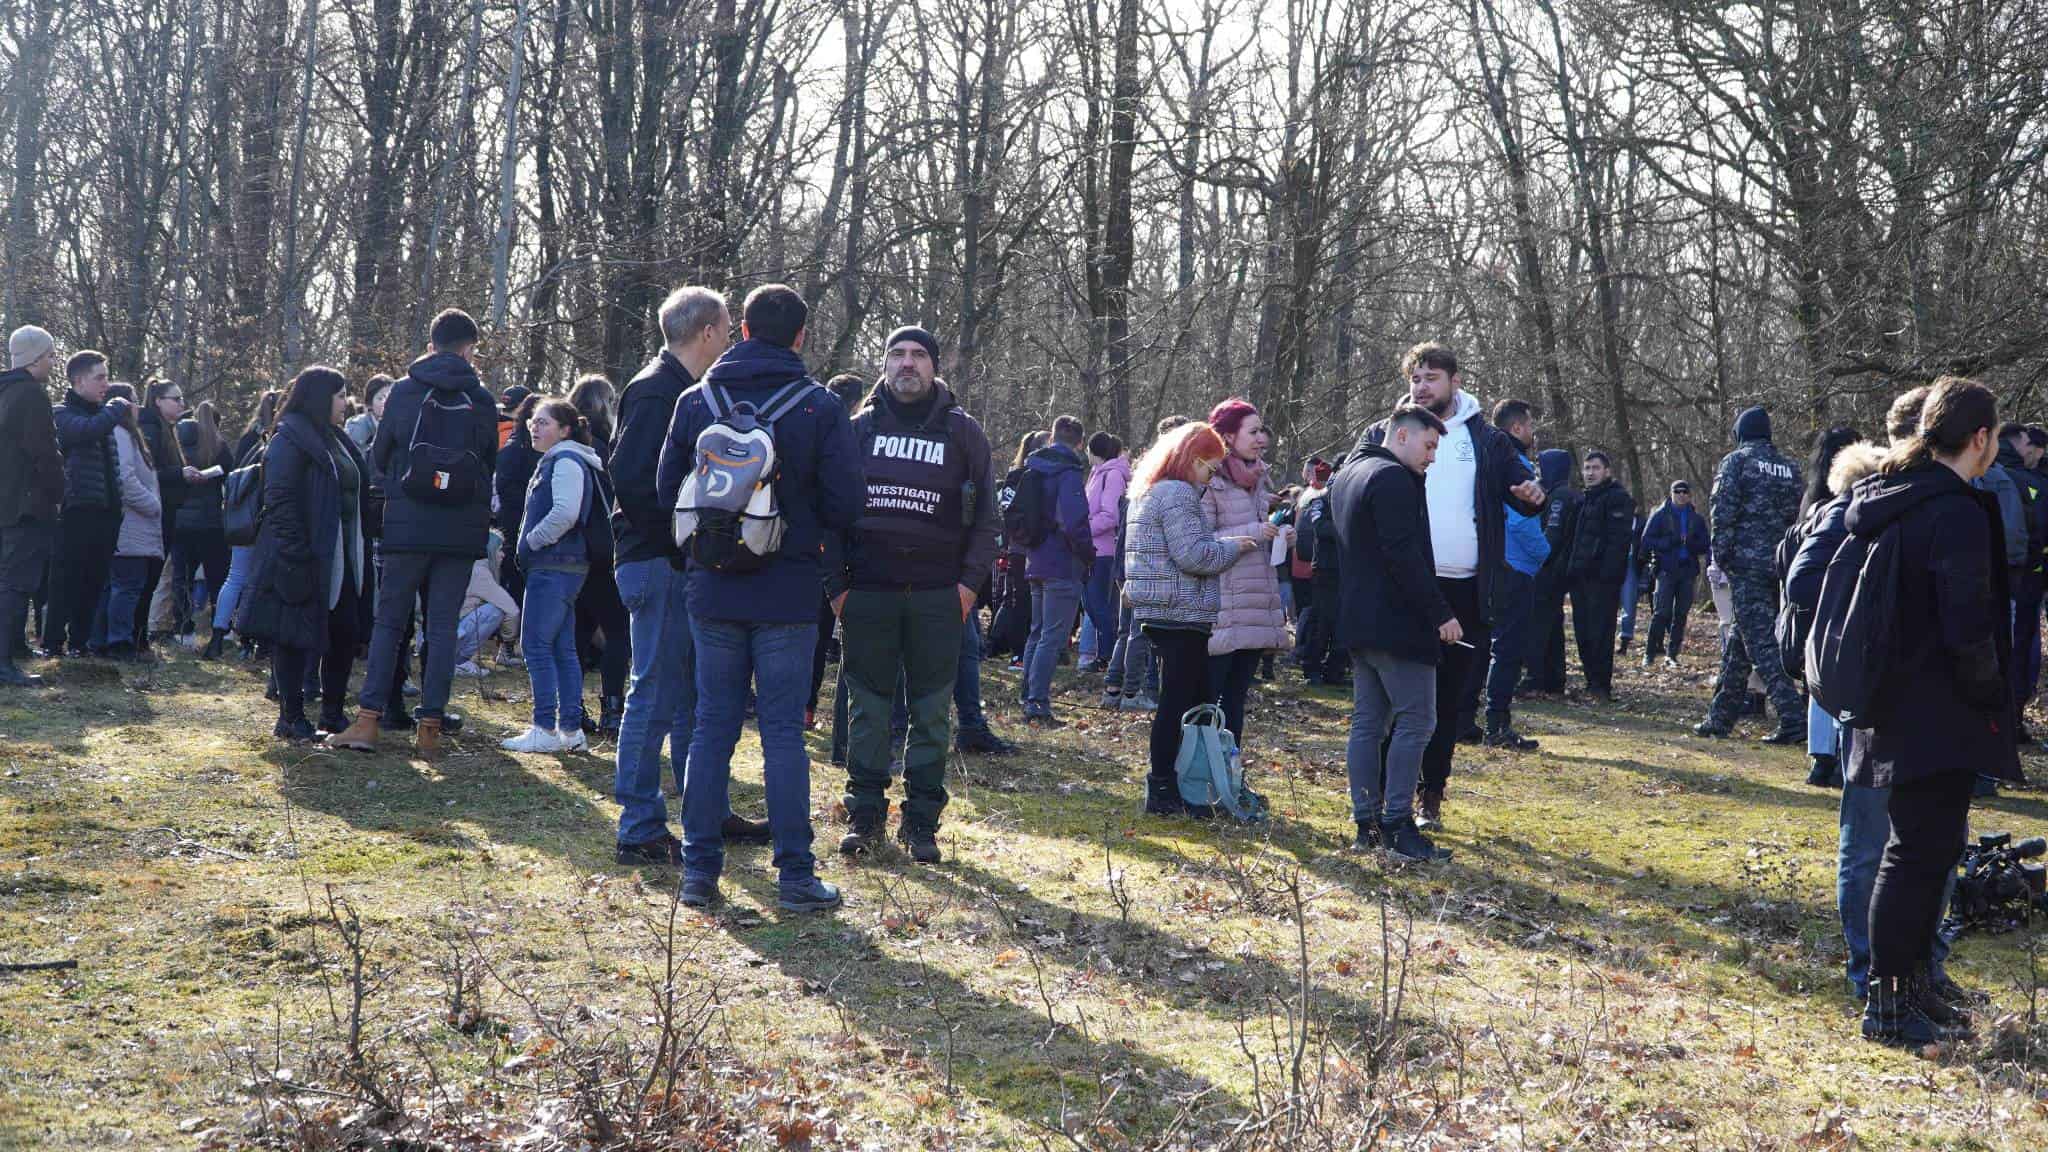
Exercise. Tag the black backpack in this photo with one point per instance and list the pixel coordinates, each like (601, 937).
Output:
(1849, 648)
(441, 466)
(1795, 621)
(241, 502)
(1026, 520)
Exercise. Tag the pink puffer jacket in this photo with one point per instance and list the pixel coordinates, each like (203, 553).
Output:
(1252, 618)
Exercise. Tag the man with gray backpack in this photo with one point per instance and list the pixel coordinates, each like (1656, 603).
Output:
(760, 470)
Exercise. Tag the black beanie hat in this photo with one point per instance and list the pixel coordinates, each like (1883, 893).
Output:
(1753, 424)
(1680, 488)
(916, 335)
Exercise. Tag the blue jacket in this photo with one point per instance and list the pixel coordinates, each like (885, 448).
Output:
(434, 529)
(1675, 539)
(642, 529)
(1069, 549)
(1527, 547)
(819, 488)
(586, 538)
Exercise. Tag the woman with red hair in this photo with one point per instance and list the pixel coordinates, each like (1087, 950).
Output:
(1173, 557)
(1252, 621)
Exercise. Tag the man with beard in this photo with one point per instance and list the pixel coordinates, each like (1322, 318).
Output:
(1477, 474)
(904, 583)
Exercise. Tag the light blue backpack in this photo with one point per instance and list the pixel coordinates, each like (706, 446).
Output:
(1208, 769)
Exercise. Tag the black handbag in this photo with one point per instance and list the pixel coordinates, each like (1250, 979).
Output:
(241, 501)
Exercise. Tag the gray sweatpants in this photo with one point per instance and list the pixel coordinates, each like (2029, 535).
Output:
(1388, 694)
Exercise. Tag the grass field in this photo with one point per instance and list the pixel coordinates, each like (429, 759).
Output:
(1635, 946)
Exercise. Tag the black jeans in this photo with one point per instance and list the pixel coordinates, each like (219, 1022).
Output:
(1669, 607)
(407, 578)
(207, 548)
(1230, 681)
(24, 550)
(598, 607)
(1456, 666)
(1594, 605)
(1544, 655)
(1930, 819)
(85, 553)
(289, 664)
(1183, 683)
(1320, 656)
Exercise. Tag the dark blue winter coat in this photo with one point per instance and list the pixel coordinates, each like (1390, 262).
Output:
(294, 580)
(436, 529)
(85, 432)
(1675, 540)
(1069, 549)
(642, 527)
(819, 487)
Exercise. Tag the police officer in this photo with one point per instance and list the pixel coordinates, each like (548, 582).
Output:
(904, 585)
(1756, 495)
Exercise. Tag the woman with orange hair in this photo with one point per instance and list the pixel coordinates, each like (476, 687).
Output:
(1172, 559)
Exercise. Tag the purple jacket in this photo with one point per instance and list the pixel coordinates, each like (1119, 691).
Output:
(1067, 550)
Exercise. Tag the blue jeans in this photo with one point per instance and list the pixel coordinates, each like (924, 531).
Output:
(776, 660)
(547, 636)
(661, 700)
(967, 681)
(1820, 732)
(1631, 585)
(1131, 667)
(1053, 604)
(470, 633)
(1101, 600)
(240, 560)
(1517, 602)
(1866, 825)
(126, 578)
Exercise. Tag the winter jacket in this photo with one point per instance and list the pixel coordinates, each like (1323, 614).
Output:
(928, 514)
(142, 506)
(1824, 536)
(1675, 540)
(819, 487)
(1389, 600)
(2003, 481)
(1173, 558)
(362, 430)
(642, 527)
(436, 529)
(31, 469)
(1756, 496)
(1499, 467)
(1252, 618)
(1067, 550)
(1527, 547)
(1106, 487)
(170, 469)
(1944, 706)
(85, 435)
(484, 589)
(1604, 536)
(201, 514)
(306, 547)
(562, 500)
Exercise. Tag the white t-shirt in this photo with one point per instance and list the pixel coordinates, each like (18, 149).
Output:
(1448, 485)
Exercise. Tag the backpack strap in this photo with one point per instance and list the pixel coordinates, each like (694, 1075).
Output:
(785, 399)
(716, 400)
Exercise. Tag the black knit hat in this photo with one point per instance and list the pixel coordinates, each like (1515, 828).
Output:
(916, 335)
(1680, 488)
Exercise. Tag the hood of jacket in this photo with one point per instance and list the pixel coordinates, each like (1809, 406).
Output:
(1122, 464)
(446, 371)
(581, 451)
(1053, 459)
(1879, 501)
(755, 365)
(1752, 424)
(13, 377)
(1553, 468)
(1464, 406)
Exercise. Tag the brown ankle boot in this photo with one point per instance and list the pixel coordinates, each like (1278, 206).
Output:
(427, 738)
(360, 736)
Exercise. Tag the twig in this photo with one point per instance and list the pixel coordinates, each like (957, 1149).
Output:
(40, 966)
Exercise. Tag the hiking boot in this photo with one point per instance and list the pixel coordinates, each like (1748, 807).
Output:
(809, 894)
(612, 712)
(1430, 802)
(923, 843)
(1892, 1015)
(1405, 842)
(698, 891)
(1788, 733)
(1946, 1013)
(1712, 729)
(737, 829)
(296, 729)
(1368, 838)
(865, 832)
(360, 736)
(983, 741)
(664, 851)
(1510, 739)
(1826, 771)
(426, 739)
(213, 646)
(1163, 801)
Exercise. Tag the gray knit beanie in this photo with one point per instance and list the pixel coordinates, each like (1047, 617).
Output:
(27, 345)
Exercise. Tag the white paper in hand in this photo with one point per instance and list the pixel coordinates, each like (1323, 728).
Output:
(1279, 554)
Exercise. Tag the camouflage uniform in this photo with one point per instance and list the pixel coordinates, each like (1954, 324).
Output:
(1756, 496)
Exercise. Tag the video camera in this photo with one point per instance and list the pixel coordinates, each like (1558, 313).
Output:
(2001, 887)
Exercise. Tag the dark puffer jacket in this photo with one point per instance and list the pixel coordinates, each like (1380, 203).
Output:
(85, 434)
(200, 514)
(31, 471)
(641, 528)
(437, 529)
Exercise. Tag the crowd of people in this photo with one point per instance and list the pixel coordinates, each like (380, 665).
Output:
(714, 533)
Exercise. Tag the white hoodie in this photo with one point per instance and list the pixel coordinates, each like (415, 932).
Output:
(1453, 522)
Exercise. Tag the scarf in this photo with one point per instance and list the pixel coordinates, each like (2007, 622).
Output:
(1245, 475)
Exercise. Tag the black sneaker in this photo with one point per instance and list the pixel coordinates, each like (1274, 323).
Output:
(13, 677)
(923, 844)
(298, 730)
(664, 851)
(1510, 739)
(982, 741)
(807, 895)
(698, 892)
(1787, 734)
(1825, 772)
(737, 829)
(1712, 729)
(1368, 838)
(1892, 1015)
(1405, 842)
(864, 834)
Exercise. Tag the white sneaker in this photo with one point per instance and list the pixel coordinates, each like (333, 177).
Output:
(534, 740)
(571, 740)
(471, 670)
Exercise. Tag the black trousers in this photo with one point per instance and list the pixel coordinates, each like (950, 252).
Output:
(24, 554)
(85, 553)
(1183, 683)
(290, 664)
(1594, 605)
(1457, 665)
(1230, 682)
(1545, 651)
(196, 549)
(1930, 819)
(1320, 656)
(598, 607)
(1669, 607)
